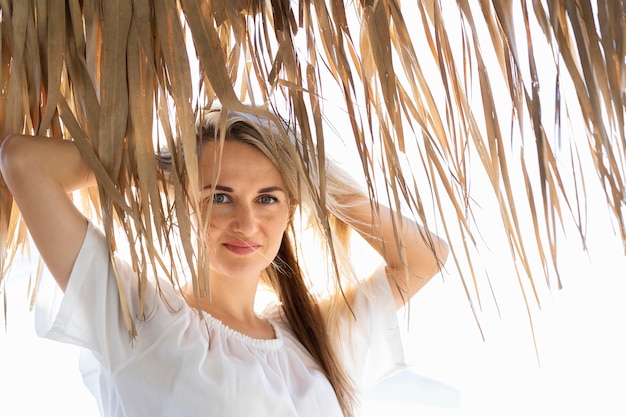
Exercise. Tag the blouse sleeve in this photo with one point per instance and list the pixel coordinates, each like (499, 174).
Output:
(371, 336)
(89, 313)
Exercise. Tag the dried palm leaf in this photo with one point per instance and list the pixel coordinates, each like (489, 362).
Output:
(425, 83)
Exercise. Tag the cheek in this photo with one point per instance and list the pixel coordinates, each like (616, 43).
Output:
(280, 220)
(274, 229)
(216, 220)
(219, 217)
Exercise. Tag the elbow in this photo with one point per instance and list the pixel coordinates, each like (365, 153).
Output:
(434, 262)
(442, 250)
(10, 159)
(439, 251)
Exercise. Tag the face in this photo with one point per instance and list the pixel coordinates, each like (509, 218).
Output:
(249, 211)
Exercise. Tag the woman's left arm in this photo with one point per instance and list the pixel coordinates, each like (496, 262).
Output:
(424, 253)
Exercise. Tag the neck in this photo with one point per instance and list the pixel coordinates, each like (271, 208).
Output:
(227, 298)
(232, 303)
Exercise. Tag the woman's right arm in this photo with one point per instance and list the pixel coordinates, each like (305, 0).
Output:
(40, 172)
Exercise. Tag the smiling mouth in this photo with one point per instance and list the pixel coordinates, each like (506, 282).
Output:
(241, 248)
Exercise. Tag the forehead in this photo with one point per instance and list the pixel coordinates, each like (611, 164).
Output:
(236, 161)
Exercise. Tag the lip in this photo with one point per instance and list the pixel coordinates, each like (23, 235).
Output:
(240, 247)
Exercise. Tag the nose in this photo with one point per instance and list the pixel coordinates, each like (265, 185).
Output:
(245, 220)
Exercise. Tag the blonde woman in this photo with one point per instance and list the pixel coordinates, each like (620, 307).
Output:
(301, 356)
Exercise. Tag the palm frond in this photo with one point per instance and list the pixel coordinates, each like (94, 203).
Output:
(432, 97)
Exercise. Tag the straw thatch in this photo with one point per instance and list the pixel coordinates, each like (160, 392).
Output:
(430, 94)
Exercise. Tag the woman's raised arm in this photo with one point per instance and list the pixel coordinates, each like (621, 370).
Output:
(425, 253)
(40, 172)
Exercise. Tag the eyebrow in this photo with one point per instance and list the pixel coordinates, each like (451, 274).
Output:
(218, 187)
(230, 190)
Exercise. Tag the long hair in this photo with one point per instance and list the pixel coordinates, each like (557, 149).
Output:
(304, 315)
(284, 276)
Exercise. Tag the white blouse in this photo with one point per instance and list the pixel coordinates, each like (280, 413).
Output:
(181, 365)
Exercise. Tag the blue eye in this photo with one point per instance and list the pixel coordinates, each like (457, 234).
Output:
(220, 198)
(267, 199)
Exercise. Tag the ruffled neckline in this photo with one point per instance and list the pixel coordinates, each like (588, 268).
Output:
(231, 333)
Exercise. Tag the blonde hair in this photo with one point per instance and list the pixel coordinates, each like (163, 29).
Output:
(284, 276)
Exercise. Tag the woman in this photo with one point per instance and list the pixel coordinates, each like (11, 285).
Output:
(216, 355)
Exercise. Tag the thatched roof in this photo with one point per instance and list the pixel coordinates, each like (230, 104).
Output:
(431, 96)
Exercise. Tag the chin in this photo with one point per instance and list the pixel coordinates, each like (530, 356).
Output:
(238, 272)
